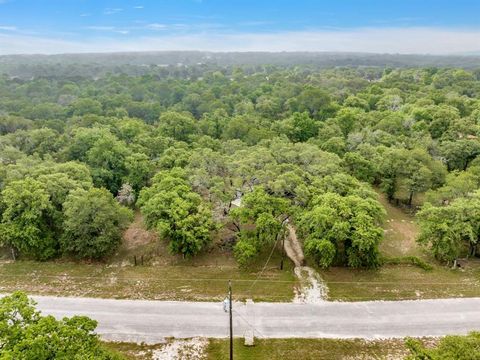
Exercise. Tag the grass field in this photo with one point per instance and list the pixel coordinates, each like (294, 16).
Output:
(400, 232)
(395, 282)
(174, 282)
(308, 349)
(285, 349)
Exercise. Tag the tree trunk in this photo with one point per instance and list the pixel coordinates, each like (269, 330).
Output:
(236, 226)
(473, 249)
(410, 199)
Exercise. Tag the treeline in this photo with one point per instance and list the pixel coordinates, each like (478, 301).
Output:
(299, 144)
(194, 63)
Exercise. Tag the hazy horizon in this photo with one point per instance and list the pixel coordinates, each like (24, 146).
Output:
(355, 26)
(220, 52)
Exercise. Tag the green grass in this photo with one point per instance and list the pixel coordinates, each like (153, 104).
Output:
(307, 349)
(395, 282)
(283, 349)
(400, 232)
(178, 281)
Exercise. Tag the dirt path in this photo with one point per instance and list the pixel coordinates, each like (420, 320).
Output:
(136, 235)
(312, 289)
(293, 249)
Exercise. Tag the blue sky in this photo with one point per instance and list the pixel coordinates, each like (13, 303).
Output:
(393, 26)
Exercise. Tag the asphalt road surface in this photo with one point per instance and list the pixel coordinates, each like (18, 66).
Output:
(152, 321)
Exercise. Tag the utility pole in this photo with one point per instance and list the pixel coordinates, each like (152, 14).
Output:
(283, 252)
(231, 320)
(284, 234)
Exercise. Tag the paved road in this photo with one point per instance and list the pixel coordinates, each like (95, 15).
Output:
(152, 321)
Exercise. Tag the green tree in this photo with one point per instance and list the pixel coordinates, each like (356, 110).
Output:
(179, 126)
(93, 223)
(266, 214)
(27, 219)
(409, 171)
(458, 184)
(299, 127)
(360, 167)
(86, 106)
(323, 251)
(347, 118)
(449, 230)
(350, 223)
(103, 153)
(58, 186)
(458, 154)
(106, 159)
(450, 347)
(177, 213)
(317, 102)
(25, 334)
(334, 145)
(139, 169)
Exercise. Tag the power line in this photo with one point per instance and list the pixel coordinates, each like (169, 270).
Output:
(257, 279)
(249, 324)
(264, 267)
(143, 279)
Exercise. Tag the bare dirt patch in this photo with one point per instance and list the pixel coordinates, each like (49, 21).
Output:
(190, 349)
(312, 289)
(136, 235)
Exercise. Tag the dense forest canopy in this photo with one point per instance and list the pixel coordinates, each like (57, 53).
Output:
(84, 143)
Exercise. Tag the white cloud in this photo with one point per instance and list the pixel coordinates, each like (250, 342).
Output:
(138, 7)
(111, 11)
(101, 28)
(108, 29)
(378, 40)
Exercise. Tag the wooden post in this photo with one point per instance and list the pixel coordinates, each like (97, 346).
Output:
(231, 320)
